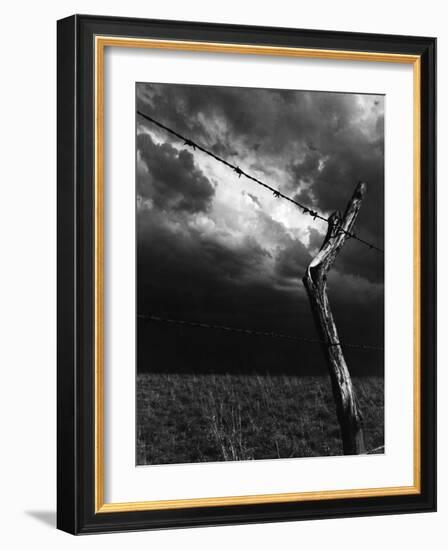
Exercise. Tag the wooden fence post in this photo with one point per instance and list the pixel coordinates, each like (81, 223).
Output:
(315, 281)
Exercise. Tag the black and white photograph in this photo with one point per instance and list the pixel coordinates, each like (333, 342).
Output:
(259, 273)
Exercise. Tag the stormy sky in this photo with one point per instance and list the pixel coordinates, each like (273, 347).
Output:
(215, 248)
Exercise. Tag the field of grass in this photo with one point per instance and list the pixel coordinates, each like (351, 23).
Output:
(202, 418)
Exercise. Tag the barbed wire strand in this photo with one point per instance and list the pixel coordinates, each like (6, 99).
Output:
(278, 194)
(251, 332)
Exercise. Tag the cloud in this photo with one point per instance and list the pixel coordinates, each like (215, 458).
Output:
(216, 248)
(188, 272)
(169, 178)
(292, 260)
(317, 144)
(255, 199)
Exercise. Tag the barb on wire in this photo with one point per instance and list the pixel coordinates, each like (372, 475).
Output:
(315, 215)
(251, 332)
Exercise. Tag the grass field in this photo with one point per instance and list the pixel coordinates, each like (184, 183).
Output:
(202, 418)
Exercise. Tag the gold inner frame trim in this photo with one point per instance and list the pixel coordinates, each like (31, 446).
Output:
(101, 42)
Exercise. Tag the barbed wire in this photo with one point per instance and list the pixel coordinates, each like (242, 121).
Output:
(278, 194)
(252, 332)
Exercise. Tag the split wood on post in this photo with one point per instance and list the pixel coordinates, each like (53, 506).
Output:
(315, 281)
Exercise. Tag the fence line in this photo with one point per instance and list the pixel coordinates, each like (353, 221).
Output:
(278, 194)
(251, 332)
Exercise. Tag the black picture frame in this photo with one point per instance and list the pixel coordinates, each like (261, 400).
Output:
(76, 512)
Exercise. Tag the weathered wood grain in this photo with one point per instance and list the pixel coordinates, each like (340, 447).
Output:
(315, 281)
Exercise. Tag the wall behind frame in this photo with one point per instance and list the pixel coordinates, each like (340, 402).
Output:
(27, 277)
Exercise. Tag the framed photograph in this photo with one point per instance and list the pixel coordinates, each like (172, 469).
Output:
(246, 274)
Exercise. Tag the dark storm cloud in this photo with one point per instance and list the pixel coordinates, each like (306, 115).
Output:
(307, 169)
(362, 262)
(186, 276)
(341, 169)
(292, 260)
(194, 275)
(172, 180)
(314, 146)
(317, 137)
(192, 256)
